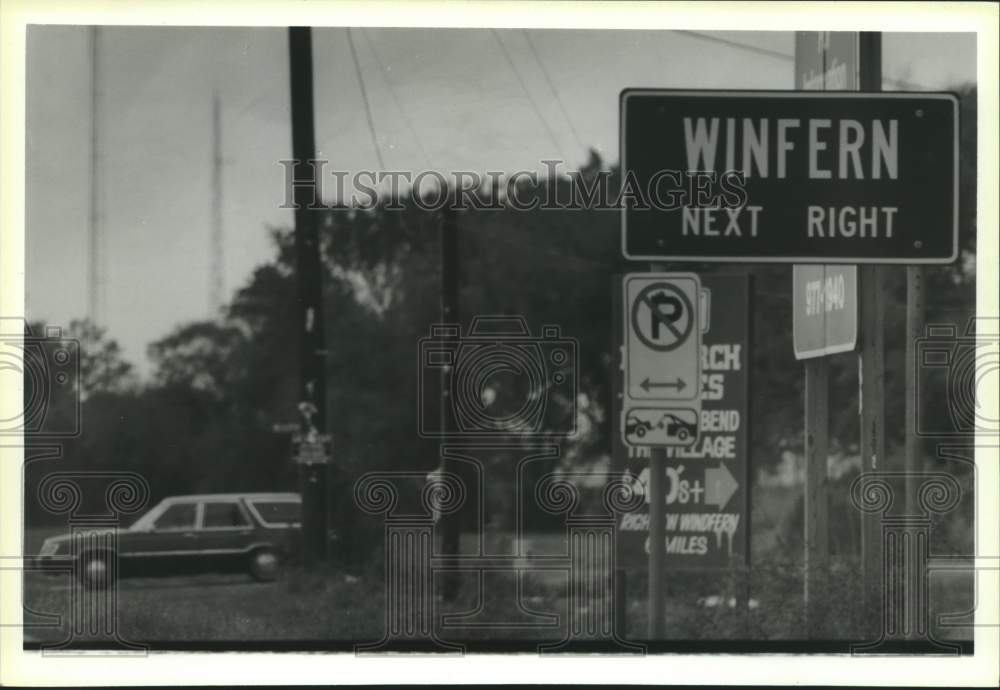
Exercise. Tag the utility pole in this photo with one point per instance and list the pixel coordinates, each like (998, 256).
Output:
(216, 268)
(871, 372)
(312, 349)
(94, 248)
(449, 524)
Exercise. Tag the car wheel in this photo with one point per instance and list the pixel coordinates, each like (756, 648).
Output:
(95, 571)
(640, 431)
(265, 565)
(682, 435)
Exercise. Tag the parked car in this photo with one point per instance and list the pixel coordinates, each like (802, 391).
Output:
(253, 532)
(677, 427)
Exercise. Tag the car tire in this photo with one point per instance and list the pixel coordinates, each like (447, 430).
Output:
(96, 571)
(640, 431)
(682, 435)
(265, 565)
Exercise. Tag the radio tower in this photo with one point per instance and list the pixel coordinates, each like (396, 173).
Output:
(95, 253)
(216, 278)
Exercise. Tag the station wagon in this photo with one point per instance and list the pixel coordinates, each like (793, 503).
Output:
(251, 532)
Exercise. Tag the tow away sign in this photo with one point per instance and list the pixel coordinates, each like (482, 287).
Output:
(662, 359)
(785, 176)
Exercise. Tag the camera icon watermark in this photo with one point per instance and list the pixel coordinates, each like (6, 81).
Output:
(48, 365)
(963, 370)
(497, 380)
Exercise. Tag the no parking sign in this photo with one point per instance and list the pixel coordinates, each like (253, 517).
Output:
(662, 359)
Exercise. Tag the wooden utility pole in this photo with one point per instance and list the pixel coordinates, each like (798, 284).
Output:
(871, 372)
(312, 349)
(815, 403)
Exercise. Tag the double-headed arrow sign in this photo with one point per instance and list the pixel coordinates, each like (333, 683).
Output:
(679, 384)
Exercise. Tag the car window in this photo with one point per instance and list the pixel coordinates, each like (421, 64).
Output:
(177, 516)
(278, 512)
(223, 514)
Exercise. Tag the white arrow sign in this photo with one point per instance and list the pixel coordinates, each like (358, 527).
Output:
(720, 485)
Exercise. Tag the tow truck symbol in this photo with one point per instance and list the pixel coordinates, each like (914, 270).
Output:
(637, 427)
(669, 427)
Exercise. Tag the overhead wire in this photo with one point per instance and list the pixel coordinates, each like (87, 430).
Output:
(524, 87)
(735, 44)
(777, 54)
(364, 98)
(555, 91)
(395, 99)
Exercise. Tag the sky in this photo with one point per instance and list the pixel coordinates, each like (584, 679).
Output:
(442, 99)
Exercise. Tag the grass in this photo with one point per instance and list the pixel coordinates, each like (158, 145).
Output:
(340, 607)
(223, 608)
(333, 606)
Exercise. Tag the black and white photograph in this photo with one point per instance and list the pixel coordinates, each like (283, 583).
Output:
(660, 339)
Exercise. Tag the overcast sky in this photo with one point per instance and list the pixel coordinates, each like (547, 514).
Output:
(443, 98)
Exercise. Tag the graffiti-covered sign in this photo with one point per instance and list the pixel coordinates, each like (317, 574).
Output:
(707, 483)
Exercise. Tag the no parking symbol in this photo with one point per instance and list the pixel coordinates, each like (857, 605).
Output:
(663, 316)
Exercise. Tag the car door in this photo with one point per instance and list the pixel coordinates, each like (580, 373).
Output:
(169, 544)
(224, 530)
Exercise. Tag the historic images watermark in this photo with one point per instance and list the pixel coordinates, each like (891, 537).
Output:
(523, 190)
(48, 364)
(75, 571)
(959, 365)
(498, 393)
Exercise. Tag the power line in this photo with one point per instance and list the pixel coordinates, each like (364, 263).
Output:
(736, 44)
(364, 98)
(524, 87)
(787, 57)
(395, 99)
(555, 92)
(96, 249)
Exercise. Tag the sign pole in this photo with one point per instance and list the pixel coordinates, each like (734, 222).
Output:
(816, 451)
(657, 543)
(915, 306)
(871, 373)
(915, 310)
(312, 350)
(657, 534)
